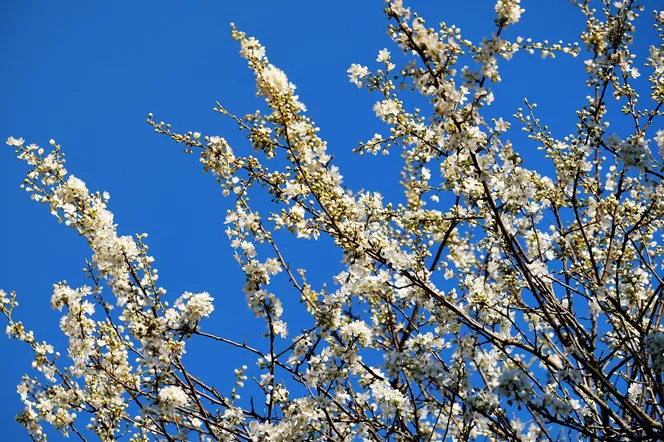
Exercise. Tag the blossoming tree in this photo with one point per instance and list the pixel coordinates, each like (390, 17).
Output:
(503, 304)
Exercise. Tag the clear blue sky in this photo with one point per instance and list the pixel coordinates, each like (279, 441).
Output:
(87, 73)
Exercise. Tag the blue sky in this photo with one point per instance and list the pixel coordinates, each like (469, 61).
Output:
(88, 73)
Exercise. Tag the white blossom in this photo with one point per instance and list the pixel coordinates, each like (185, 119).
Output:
(356, 72)
(170, 398)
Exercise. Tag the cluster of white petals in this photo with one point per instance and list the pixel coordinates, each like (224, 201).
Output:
(170, 398)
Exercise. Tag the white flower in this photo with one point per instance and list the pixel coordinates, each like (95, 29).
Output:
(383, 56)
(15, 141)
(386, 108)
(280, 328)
(358, 330)
(273, 80)
(170, 398)
(501, 125)
(3, 298)
(397, 7)
(509, 10)
(251, 48)
(389, 399)
(194, 307)
(356, 72)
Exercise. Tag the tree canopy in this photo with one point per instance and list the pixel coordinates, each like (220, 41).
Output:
(493, 299)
